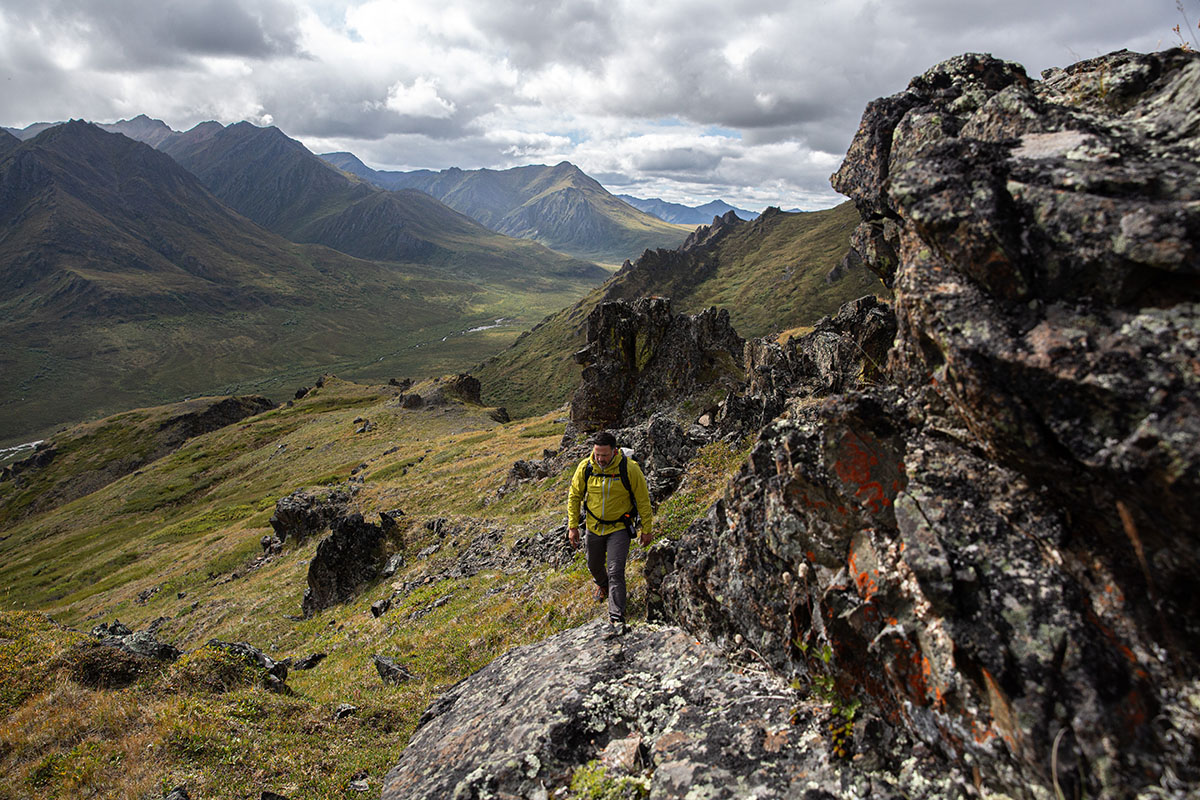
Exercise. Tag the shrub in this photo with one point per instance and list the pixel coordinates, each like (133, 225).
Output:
(212, 669)
(100, 666)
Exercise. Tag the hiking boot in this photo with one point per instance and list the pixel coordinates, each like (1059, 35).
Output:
(600, 593)
(616, 629)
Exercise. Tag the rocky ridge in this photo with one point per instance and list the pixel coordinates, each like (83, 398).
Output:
(965, 526)
(991, 547)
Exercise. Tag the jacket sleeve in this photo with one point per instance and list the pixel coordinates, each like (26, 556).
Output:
(576, 494)
(641, 496)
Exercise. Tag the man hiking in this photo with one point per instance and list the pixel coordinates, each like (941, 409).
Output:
(609, 494)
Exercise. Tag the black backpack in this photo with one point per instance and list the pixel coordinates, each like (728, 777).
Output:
(630, 517)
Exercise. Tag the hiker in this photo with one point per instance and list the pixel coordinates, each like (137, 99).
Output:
(611, 488)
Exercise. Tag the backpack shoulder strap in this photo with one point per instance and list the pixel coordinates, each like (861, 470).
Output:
(623, 468)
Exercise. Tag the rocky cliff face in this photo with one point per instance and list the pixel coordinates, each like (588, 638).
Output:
(641, 358)
(996, 546)
(967, 524)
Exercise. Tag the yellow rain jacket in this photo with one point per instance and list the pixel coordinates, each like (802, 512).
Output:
(606, 495)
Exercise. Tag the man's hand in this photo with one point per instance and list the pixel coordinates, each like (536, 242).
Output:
(645, 538)
(573, 536)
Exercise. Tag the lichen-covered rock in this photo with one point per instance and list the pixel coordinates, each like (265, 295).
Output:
(641, 359)
(535, 715)
(139, 643)
(346, 560)
(840, 353)
(305, 512)
(391, 672)
(996, 547)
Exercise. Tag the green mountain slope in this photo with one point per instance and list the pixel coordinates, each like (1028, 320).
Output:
(559, 206)
(278, 183)
(771, 274)
(123, 281)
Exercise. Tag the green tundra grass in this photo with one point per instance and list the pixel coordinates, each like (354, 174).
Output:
(189, 525)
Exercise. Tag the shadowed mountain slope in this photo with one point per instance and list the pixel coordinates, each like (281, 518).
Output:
(278, 183)
(559, 206)
(778, 272)
(7, 141)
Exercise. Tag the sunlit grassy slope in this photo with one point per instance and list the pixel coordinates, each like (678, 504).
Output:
(770, 274)
(189, 525)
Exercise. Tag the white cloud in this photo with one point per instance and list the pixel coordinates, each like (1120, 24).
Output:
(421, 99)
(755, 100)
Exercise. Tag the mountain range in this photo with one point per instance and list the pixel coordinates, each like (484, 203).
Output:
(559, 206)
(133, 259)
(125, 280)
(141, 128)
(679, 214)
(275, 181)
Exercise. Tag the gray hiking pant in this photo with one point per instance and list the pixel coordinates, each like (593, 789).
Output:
(614, 548)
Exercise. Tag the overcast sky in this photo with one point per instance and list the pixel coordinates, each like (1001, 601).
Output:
(754, 101)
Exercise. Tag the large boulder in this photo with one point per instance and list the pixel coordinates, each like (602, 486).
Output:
(347, 560)
(538, 714)
(996, 548)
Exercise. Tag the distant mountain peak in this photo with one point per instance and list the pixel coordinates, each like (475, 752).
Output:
(686, 215)
(344, 158)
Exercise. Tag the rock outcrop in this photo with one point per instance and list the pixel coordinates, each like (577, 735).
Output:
(92, 461)
(178, 429)
(995, 548)
(306, 512)
(273, 675)
(43, 453)
(525, 723)
(349, 558)
(641, 358)
(116, 656)
(841, 352)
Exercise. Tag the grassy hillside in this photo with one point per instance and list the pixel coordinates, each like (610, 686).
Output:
(559, 206)
(183, 534)
(770, 274)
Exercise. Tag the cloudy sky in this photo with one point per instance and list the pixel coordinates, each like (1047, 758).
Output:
(754, 101)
